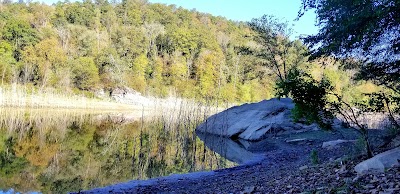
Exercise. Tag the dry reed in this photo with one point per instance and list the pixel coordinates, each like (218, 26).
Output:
(22, 96)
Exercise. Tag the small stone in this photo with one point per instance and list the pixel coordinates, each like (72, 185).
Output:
(369, 186)
(374, 180)
(303, 167)
(385, 192)
(373, 191)
(343, 170)
(248, 189)
(296, 140)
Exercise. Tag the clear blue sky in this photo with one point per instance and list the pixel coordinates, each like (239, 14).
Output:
(245, 10)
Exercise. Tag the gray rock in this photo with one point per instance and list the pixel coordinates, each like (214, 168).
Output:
(334, 143)
(303, 167)
(248, 190)
(379, 162)
(296, 141)
(129, 96)
(254, 121)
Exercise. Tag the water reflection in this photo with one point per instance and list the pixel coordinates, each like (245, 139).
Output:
(56, 151)
(232, 150)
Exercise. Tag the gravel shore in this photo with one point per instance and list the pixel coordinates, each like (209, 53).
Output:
(286, 169)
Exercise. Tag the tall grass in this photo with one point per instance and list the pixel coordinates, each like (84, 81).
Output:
(29, 97)
(101, 148)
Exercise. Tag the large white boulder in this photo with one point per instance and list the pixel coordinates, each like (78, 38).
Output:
(379, 162)
(254, 121)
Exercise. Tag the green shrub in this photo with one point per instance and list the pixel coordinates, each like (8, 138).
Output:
(314, 157)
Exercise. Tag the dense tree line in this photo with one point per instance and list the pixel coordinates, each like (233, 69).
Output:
(153, 48)
(156, 49)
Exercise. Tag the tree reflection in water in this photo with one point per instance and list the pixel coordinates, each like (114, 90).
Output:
(57, 151)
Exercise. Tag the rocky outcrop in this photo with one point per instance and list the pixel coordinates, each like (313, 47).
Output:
(129, 96)
(255, 121)
(379, 162)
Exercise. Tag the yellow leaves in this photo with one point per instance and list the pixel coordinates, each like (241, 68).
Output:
(35, 151)
(49, 50)
(228, 93)
(139, 65)
(206, 72)
(46, 57)
(184, 40)
(244, 93)
(158, 69)
(368, 88)
(179, 70)
(138, 81)
(357, 93)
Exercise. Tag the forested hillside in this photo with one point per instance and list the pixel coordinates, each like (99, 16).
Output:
(153, 48)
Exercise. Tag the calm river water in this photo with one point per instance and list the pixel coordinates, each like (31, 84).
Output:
(57, 151)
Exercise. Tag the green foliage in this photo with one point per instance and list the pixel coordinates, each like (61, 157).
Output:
(79, 13)
(184, 40)
(278, 52)
(154, 48)
(20, 34)
(370, 45)
(374, 48)
(372, 19)
(310, 97)
(10, 164)
(360, 146)
(139, 69)
(62, 185)
(85, 73)
(6, 62)
(314, 157)
(140, 65)
(244, 93)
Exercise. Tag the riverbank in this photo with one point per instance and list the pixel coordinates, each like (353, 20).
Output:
(19, 96)
(327, 178)
(284, 166)
(281, 171)
(24, 97)
(286, 171)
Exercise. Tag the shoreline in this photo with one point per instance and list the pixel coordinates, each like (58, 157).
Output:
(283, 158)
(16, 96)
(267, 176)
(283, 168)
(129, 186)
